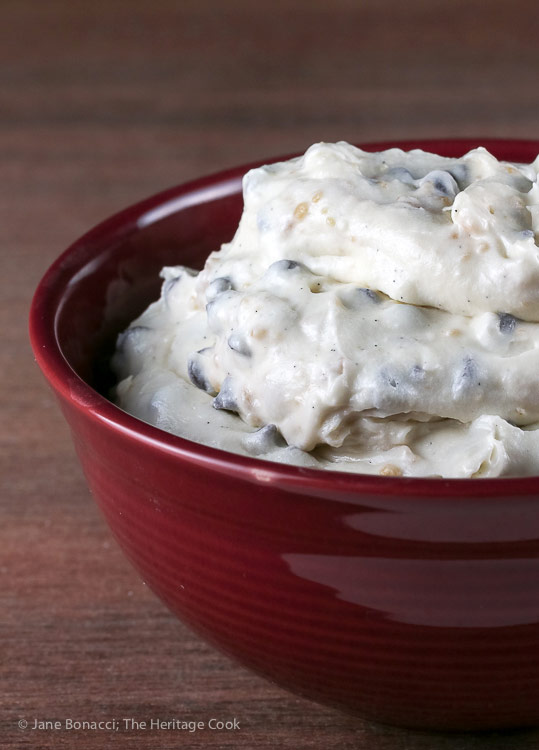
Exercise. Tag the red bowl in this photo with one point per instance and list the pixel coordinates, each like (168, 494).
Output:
(408, 601)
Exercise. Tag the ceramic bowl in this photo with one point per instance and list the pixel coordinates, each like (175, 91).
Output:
(408, 601)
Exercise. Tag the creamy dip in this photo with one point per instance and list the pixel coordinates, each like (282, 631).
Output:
(375, 312)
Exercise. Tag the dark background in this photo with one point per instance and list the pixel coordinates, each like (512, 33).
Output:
(102, 104)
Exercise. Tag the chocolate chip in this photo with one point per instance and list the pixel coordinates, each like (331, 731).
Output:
(391, 378)
(212, 311)
(169, 285)
(131, 335)
(399, 173)
(466, 378)
(226, 399)
(264, 440)
(238, 344)
(218, 286)
(285, 265)
(443, 182)
(195, 370)
(506, 322)
(469, 369)
(369, 294)
(459, 172)
(355, 298)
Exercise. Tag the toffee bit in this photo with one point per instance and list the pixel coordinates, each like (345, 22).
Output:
(301, 211)
(390, 470)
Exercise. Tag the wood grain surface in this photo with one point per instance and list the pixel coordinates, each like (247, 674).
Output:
(102, 104)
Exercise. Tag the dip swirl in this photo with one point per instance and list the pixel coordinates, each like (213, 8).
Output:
(375, 312)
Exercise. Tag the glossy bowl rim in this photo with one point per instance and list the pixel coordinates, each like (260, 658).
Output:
(46, 305)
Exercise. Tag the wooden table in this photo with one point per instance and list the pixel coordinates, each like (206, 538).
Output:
(102, 104)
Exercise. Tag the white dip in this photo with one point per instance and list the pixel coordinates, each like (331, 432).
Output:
(375, 312)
